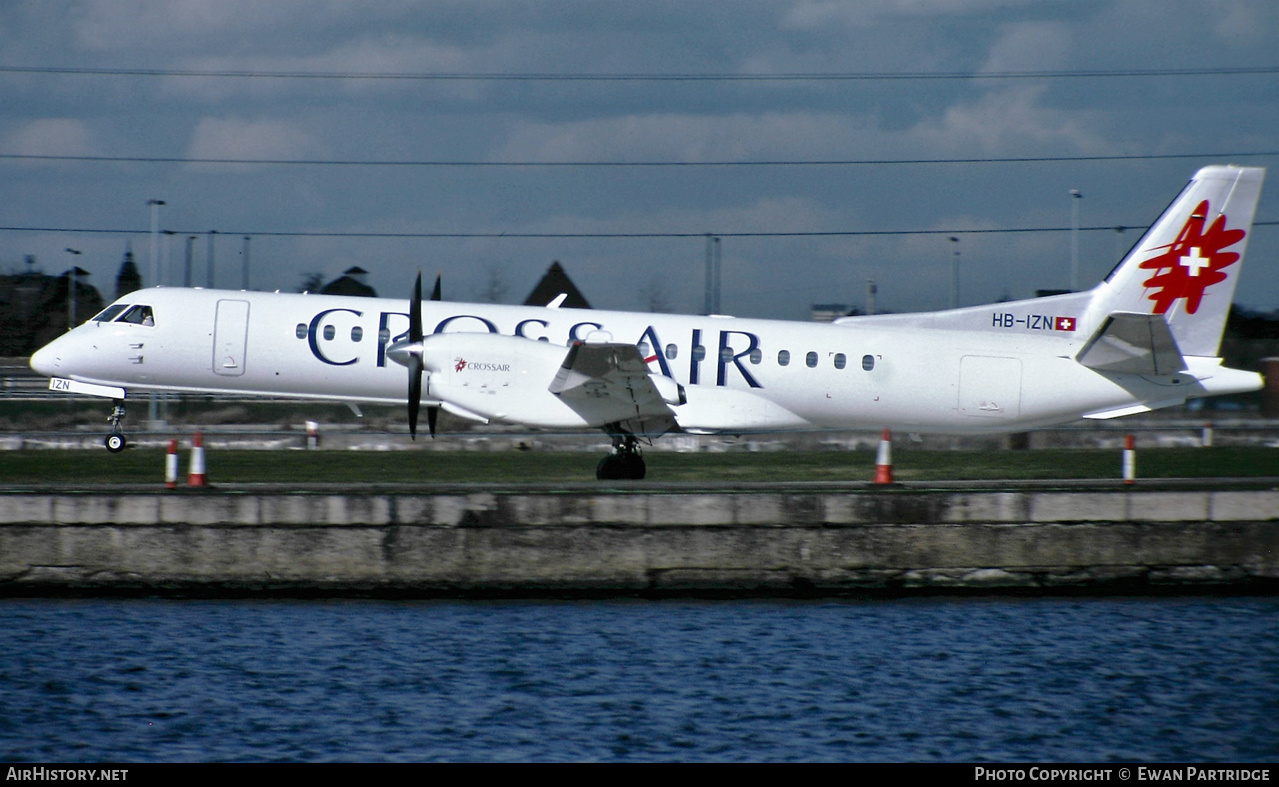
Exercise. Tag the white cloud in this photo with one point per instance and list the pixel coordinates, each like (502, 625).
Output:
(181, 25)
(688, 138)
(794, 214)
(388, 54)
(1030, 46)
(1006, 122)
(236, 138)
(51, 137)
(1011, 122)
(819, 14)
(1247, 21)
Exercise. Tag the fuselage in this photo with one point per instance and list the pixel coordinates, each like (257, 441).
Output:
(1006, 367)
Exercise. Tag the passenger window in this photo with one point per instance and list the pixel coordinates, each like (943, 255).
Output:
(671, 352)
(357, 333)
(329, 333)
(726, 354)
(138, 315)
(783, 357)
(840, 361)
(300, 331)
(643, 349)
(111, 312)
(756, 356)
(868, 362)
(811, 360)
(699, 353)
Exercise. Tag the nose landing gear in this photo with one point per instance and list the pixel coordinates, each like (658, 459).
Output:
(115, 442)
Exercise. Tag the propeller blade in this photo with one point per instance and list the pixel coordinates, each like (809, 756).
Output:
(432, 414)
(415, 396)
(435, 293)
(415, 311)
(415, 358)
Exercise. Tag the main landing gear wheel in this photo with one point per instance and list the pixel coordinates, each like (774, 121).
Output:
(624, 464)
(116, 441)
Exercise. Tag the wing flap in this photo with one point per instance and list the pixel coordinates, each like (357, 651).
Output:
(609, 383)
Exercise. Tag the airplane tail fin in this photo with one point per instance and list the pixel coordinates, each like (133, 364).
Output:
(1186, 266)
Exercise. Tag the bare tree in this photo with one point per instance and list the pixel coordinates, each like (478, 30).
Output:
(654, 297)
(495, 288)
(311, 282)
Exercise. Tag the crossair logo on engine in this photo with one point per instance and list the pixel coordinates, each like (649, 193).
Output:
(460, 364)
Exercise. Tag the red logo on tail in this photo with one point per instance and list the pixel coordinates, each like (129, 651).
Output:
(1193, 262)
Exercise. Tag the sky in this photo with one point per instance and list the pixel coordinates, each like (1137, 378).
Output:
(106, 105)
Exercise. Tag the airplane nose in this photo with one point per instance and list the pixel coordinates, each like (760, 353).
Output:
(46, 360)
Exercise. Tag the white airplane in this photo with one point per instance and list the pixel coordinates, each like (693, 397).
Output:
(1146, 337)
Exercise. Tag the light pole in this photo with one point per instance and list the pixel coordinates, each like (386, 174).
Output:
(246, 262)
(186, 271)
(719, 274)
(71, 288)
(1075, 196)
(713, 263)
(954, 274)
(212, 235)
(165, 254)
(155, 239)
(153, 414)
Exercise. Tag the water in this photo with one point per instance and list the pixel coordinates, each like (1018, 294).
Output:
(953, 679)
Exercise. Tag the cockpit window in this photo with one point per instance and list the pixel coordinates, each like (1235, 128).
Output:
(108, 314)
(139, 315)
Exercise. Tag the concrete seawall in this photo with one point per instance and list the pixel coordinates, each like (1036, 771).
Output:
(638, 542)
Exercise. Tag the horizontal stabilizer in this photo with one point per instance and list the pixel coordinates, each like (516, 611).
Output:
(1134, 344)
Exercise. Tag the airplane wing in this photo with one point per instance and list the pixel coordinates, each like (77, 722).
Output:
(1134, 343)
(611, 383)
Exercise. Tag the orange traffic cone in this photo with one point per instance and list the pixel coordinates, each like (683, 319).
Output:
(196, 476)
(884, 459)
(171, 466)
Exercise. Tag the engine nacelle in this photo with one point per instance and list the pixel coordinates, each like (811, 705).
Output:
(672, 392)
(501, 378)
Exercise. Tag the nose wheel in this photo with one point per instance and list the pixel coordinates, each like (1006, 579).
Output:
(115, 442)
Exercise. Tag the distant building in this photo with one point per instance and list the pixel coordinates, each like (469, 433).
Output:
(352, 282)
(35, 308)
(555, 283)
(829, 312)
